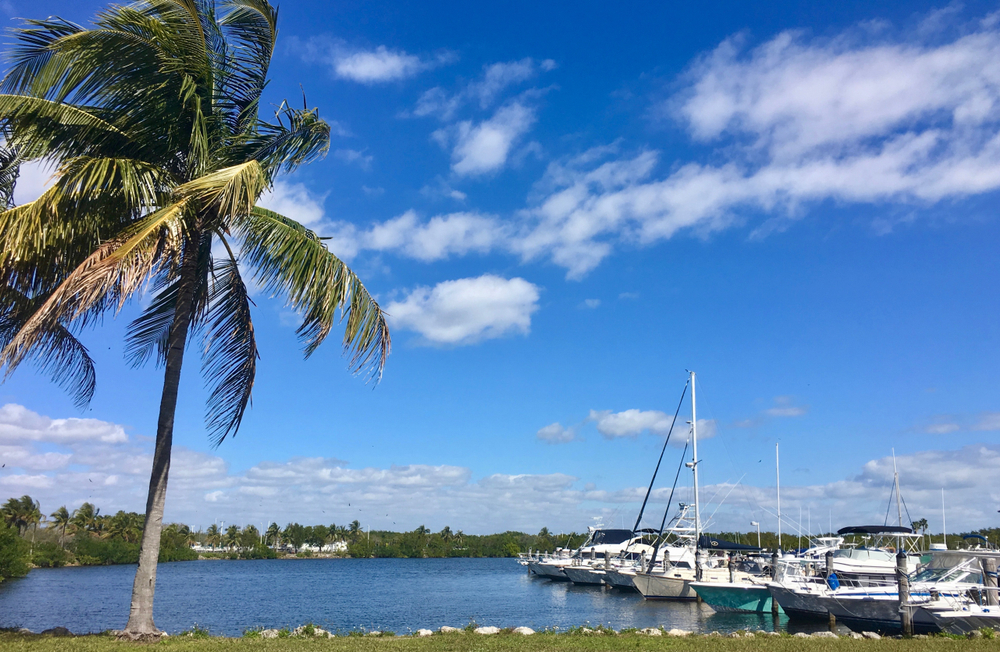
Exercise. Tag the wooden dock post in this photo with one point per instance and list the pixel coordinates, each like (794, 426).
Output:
(989, 565)
(903, 580)
(826, 574)
(774, 573)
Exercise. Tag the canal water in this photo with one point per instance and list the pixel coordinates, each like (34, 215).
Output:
(341, 595)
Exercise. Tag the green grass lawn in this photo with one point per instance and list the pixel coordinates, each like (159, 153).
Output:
(461, 642)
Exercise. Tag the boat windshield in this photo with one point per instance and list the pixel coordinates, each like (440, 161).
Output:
(962, 575)
(610, 537)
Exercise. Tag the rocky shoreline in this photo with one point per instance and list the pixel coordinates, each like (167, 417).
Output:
(311, 631)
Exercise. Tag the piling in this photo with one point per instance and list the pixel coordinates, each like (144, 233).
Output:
(732, 570)
(826, 574)
(989, 565)
(774, 575)
(903, 580)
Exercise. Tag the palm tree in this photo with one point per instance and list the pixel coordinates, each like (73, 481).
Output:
(273, 535)
(232, 538)
(86, 518)
(212, 536)
(354, 530)
(60, 519)
(126, 526)
(151, 119)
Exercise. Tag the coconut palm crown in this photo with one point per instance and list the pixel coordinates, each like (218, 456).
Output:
(150, 121)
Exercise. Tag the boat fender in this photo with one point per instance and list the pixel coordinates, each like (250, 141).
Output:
(833, 581)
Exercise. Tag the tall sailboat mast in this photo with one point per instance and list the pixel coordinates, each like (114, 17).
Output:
(694, 461)
(777, 473)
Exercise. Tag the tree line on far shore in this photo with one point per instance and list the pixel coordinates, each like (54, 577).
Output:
(84, 536)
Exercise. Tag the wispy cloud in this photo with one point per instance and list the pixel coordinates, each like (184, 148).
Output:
(357, 157)
(482, 92)
(861, 119)
(368, 66)
(556, 433)
(484, 147)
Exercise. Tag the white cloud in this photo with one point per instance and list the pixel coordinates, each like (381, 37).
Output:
(468, 310)
(19, 424)
(630, 423)
(378, 65)
(364, 161)
(295, 201)
(590, 304)
(555, 433)
(484, 147)
(437, 238)
(367, 66)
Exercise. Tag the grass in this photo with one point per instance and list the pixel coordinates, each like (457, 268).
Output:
(504, 642)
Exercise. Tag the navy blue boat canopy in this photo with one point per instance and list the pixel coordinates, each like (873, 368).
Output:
(610, 537)
(712, 543)
(874, 529)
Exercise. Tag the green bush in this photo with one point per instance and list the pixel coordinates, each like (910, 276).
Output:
(13, 553)
(50, 555)
(178, 553)
(91, 551)
(259, 551)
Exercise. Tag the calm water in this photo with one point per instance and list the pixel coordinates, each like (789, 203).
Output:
(401, 595)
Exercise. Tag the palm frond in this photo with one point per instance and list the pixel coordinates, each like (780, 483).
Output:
(106, 279)
(230, 352)
(231, 191)
(148, 334)
(252, 26)
(291, 260)
(280, 147)
(57, 352)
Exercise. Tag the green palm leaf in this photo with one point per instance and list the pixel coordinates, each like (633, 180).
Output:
(292, 260)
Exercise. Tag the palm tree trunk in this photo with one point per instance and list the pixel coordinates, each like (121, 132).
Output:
(140, 620)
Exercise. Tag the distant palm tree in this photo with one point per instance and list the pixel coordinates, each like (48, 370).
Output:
(86, 518)
(151, 121)
(60, 519)
(273, 535)
(354, 531)
(21, 513)
(126, 526)
(232, 539)
(446, 533)
(212, 536)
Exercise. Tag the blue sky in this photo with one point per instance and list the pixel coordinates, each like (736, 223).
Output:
(564, 210)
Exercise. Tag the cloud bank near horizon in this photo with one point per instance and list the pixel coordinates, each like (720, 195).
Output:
(69, 461)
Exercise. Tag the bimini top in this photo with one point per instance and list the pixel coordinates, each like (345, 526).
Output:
(874, 529)
(711, 543)
(610, 537)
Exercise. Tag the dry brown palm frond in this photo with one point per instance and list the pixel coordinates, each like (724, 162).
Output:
(107, 278)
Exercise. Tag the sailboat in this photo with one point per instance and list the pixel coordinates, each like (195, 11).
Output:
(672, 580)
